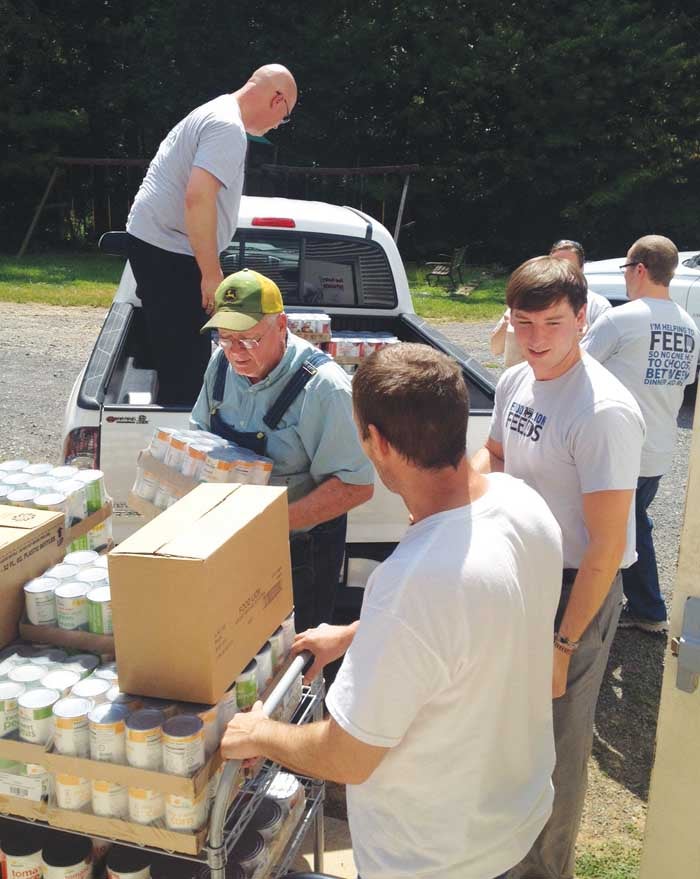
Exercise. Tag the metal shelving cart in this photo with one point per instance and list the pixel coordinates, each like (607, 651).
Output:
(229, 818)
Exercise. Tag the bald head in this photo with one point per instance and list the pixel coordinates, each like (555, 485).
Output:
(267, 99)
(658, 254)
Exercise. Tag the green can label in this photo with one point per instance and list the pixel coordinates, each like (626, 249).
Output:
(246, 693)
(100, 617)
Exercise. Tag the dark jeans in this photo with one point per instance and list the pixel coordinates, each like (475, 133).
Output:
(317, 557)
(641, 581)
(169, 286)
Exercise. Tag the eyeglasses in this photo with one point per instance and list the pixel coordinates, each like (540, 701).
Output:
(284, 119)
(628, 265)
(249, 344)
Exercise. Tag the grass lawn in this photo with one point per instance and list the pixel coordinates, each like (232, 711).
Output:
(90, 279)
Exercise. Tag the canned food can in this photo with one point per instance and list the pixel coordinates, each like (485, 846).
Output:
(71, 728)
(228, 706)
(60, 679)
(250, 852)
(167, 708)
(286, 790)
(29, 674)
(145, 806)
(92, 688)
(72, 792)
(23, 497)
(209, 715)
(40, 601)
(263, 658)
(183, 744)
(146, 484)
(95, 493)
(247, 686)
(100, 611)
(128, 863)
(9, 709)
(115, 697)
(144, 736)
(194, 459)
(74, 490)
(36, 715)
(165, 496)
(268, 819)
(101, 562)
(42, 484)
(160, 442)
(22, 854)
(72, 606)
(289, 631)
(278, 646)
(16, 481)
(54, 502)
(66, 856)
(107, 724)
(107, 673)
(109, 800)
(100, 536)
(175, 452)
(186, 814)
(82, 558)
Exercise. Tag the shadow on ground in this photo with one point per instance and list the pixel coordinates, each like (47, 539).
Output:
(628, 708)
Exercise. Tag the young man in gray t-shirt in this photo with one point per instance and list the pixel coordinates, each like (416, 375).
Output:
(651, 345)
(568, 428)
(185, 214)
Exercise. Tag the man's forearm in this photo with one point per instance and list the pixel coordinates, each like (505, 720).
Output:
(330, 499)
(303, 749)
(200, 225)
(590, 589)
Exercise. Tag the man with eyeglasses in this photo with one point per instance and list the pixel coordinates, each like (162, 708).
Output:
(651, 345)
(596, 304)
(274, 393)
(185, 214)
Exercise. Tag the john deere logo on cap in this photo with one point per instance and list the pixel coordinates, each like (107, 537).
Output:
(230, 296)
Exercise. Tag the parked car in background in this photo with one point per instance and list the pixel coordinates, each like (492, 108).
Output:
(605, 277)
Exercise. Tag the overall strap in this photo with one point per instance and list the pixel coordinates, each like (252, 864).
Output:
(217, 395)
(294, 387)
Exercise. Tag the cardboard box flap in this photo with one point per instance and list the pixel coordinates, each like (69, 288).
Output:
(175, 521)
(18, 519)
(221, 521)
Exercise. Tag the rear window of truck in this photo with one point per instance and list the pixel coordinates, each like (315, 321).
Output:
(316, 270)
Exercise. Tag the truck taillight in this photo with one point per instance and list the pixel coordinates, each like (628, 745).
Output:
(82, 448)
(275, 222)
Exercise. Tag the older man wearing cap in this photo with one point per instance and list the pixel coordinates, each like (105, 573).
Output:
(274, 393)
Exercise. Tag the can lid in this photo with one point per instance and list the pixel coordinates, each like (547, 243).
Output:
(266, 648)
(100, 562)
(40, 698)
(72, 589)
(81, 557)
(13, 466)
(249, 847)
(23, 841)
(267, 815)
(66, 850)
(146, 718)
(41, 584)
(89, 687)
(51, 499)
(63, 472)
(108, 713)
(63, 572)
(284, 785)
(22, 495)
(10, 690)
(101, 594)
(89, 475)
(27, 672)
(128, 860)
(183, 725)
(60, 679)
(38, 469)
(72, 707)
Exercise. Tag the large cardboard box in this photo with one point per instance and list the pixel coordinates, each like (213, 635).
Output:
(30, 542)
(199, 589)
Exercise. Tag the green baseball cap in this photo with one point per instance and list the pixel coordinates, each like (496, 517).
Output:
(242, 300)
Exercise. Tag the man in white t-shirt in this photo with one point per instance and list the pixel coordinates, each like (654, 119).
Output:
(651, 345)
(596, 304)
(185, 214)
(440, 717)
(568, 428)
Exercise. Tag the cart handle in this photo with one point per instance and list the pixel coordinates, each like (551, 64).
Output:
(217, 852)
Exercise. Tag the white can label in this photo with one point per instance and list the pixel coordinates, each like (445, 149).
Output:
(72, 792)
(83, 870)
(183, 755)
(110, 800)
(72, 613)
(143, 748)
(108, 742)
(183, 813)
(72, 736)
(36, 724)
(23, 866)
(145, 806)
(41, 608)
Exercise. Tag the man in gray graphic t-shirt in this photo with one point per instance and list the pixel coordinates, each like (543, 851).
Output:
(568, 428)
(185, 214)
(651, 345)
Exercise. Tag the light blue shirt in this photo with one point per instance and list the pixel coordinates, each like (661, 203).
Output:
(316, 437)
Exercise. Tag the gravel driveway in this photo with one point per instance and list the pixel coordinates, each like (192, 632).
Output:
(42, 350)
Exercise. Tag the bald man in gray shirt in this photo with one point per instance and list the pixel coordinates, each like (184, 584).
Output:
(185, 214)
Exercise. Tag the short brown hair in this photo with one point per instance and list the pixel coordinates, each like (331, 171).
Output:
(544, 280)
(658, 254)
(417, 399)
(573, 246)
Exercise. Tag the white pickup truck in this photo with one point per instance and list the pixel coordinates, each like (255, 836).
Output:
(296, 243)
